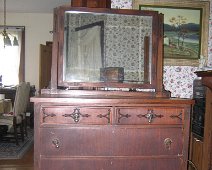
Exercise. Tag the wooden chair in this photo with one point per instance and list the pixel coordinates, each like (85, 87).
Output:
(15, 119)
(25, 103)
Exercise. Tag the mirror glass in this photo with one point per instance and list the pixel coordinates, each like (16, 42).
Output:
(100, 47)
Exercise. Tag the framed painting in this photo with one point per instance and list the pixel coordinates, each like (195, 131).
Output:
(185, 27)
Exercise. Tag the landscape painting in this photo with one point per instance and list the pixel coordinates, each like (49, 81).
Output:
(182, 31)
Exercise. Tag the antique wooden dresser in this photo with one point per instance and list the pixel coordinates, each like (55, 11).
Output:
(107, 109)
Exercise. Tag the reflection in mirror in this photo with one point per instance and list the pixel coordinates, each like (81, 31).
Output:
(103, 47)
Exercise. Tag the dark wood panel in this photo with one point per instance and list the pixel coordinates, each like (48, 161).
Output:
(205, 161)
(149, 115)
(76, 115)
(61, 139)
(196, 152)
(91, 3)
(111, 141)
(45, 65)
(111, 164)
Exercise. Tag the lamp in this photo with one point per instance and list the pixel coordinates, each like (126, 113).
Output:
(7, 40)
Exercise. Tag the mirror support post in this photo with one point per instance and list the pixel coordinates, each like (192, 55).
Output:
(146, 59)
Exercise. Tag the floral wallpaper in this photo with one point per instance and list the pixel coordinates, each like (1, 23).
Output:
(177, 79)
(124, 4)
(118, 41)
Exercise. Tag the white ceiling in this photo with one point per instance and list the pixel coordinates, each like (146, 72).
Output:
(32, 6)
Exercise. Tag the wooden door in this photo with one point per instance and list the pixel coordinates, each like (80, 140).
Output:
(45, 65)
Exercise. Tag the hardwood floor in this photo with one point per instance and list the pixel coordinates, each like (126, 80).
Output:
(26, 163)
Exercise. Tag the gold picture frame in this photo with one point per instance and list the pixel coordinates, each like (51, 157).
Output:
(205, 8)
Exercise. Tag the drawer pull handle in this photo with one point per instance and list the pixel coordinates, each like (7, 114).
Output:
(168, 142)
(120, 116)
(150, 115)
(56, 143)
(76, 115)
(107, 116)
(197, 140)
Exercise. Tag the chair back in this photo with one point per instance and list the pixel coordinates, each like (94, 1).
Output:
(21, 99)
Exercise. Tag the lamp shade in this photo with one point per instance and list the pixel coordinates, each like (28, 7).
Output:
(7, 40)
(15, 42)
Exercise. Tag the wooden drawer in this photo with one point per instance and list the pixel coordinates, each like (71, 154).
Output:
(149, 115)
(111, 141)
(75, 115)
(111, 164)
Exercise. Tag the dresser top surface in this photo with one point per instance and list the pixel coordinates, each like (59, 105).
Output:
(64, 98)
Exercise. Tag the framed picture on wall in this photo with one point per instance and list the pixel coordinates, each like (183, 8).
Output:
(185, 27)
(182, 30)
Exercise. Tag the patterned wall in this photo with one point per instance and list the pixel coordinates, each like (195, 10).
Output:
(119, 40)
(210, 39)
(177, 79)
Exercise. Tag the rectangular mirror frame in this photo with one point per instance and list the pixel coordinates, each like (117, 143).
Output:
(157, 52)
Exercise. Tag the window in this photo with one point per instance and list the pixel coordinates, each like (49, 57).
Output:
(12, 57)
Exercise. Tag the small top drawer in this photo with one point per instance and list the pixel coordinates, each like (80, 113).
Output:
(75, 115)
(149, 115)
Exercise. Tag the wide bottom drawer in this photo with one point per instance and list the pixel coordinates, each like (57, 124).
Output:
(110, 164)
(111, 141)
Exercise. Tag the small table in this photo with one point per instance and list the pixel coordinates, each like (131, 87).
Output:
(9, 93)
(5, 106)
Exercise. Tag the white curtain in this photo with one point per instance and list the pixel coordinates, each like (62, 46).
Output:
(10, 60)
(85, 55)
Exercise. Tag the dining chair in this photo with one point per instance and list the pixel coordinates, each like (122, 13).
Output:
(15, 119)
(26, 101)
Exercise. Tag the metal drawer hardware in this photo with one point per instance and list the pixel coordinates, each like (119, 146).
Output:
(107, 116)
(45, 115)
(196, 140)
(120, 116)
(150, 115)
(177, 116)
(56, 142)
(168, 142)
(76, 115)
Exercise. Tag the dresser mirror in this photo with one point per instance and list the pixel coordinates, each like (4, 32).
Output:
(97, 45)
(101, 48)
